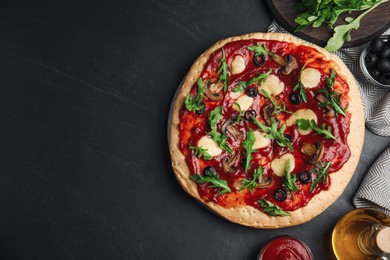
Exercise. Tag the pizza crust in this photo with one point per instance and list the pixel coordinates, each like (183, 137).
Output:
(250, 216)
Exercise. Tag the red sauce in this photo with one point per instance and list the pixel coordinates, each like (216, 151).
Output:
(194, 126)
(285, 248)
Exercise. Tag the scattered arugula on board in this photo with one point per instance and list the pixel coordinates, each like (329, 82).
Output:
(199, 152)
(333, 98)
(322, 174)
(289, 181)
(195, 103)
(241, 86)
(301, 87)
(317, 12)
(247, 144)
(306, 124)
(213, 179)
(219, 138)
(272, 209)
(251, 184)
(277, 107)
(274, 133)
(223, 71)
(259, 50)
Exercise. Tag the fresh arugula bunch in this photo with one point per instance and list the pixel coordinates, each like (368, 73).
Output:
(219, 138)
(289, 181)
(333, 98)
(201, 152)
(277, 108)
(317, 12)
(306, 124)
(322, 174)
(259, 50)
(251, 184)
(241, 85)
(274, 133)
(301, 87)
(247, 144)
(213, 179)
(195, 103)
(223, 71)
(272, 209)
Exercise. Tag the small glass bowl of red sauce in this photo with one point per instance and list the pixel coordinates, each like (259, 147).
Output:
(285, 248)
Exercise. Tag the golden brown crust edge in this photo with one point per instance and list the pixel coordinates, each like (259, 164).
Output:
(248, 215)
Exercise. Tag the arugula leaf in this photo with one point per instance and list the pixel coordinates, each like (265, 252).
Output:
(289, 181)
(259, 49)
(247, 144)
(241, 86)
(306, 124)
(274, 133)
(219, 138)
(301, 87)
(199, 152)
(322, 174)
(277, 107)
(272, 209)
(195, 103)
(333, 98)
(214, 180)
(240, 113)
(223, 71)
(251, 184)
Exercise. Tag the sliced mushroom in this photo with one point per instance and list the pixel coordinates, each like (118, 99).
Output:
(230, 163)
(290, 66)
(264, 182)
(229, 127)
(213, 91)
(329, 111)
(267, 113)
(279, 60)
(314, 151)
(226, 124)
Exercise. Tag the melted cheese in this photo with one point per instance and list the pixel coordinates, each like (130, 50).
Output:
(212, 147)
(279, 165)
(238, 65)
(244, 101)
(261, 141)
(272, 85)
(302, 114)
(310, 78)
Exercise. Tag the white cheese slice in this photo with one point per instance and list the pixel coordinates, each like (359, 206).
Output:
(244, 101)
(260, 140)
(279, 165)
(238, 65)
(302, 114)
(235, 95)
(212, 147)
(272, 85)
(310, 78)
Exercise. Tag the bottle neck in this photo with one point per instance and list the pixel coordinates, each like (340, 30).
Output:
(375, 240)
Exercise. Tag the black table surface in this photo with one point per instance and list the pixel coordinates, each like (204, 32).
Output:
(85, 91)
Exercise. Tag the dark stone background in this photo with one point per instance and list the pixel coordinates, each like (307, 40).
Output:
(85, 90)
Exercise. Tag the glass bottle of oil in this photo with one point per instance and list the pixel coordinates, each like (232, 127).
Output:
(362, 234)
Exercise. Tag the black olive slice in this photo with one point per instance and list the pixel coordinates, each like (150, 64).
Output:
(371, 59)
(384, 65)
(305, 177)
(201, 111)
(248, 114)
(289, 137)
(385, 53)
(259, 60)
(280, 195)
(295, 98)
(375, 73)
(209, 169)
(251, 92)
(377, 44)
(385, 79)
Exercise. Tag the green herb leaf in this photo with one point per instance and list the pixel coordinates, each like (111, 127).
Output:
(201, 152)
(333, 98)
(289, 181)
(240, 113)
(301, 87)
(247, 144)
(272, 209)
(214, 180)
(306, 124)
(274, 133)
(322, 174)
(241, 86)
(259, 49)
(277, 108)
(195, 103)
(223, 72)
(219, 138)
(251, 184)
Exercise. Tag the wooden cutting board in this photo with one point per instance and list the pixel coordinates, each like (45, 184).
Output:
(372, 25)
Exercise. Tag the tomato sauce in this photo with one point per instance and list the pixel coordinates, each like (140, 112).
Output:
(283, 248)
(194, 126)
